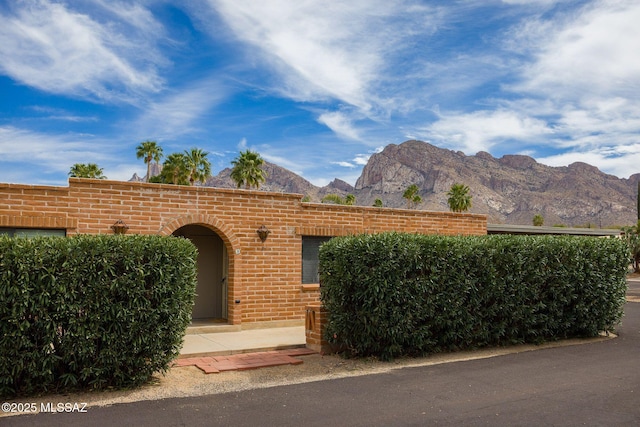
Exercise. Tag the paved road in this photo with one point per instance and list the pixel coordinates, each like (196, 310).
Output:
(593, 384)
(634, 288)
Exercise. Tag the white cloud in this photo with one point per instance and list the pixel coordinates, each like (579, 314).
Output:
(320, 50)
(599, 121)
(309, 40)
(576, 88)
(480, 130)
(340, 124)
(583, 80)
(292, 164)
(53, 153)
(124, 171)
(50, 113)
(621, 161)
(362, 159)
(48, 46)
(591, 54)
(344, 164)
(179, 113)
(133, 14)
(355, 165)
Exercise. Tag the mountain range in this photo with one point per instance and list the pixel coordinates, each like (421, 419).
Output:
(509, 190)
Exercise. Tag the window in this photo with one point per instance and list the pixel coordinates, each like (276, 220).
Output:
(310, 261)
(31, 232)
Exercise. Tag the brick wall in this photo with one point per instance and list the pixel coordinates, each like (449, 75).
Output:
(264, 277)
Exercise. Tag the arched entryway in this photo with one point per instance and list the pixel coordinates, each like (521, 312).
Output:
(213, 268)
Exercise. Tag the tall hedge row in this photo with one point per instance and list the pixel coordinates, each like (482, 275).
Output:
(91, 311)
(396, 294)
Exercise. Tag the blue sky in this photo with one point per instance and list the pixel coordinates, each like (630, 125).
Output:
(315, 86)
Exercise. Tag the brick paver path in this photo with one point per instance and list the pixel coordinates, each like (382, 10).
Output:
(244, 361)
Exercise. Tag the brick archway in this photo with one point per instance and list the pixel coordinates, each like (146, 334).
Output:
(208, 221)
(232, 244)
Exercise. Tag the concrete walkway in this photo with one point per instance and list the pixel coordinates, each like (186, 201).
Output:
(215, 352)
(246, 341)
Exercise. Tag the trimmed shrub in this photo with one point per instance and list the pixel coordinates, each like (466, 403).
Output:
(395, 294)
(92, 311)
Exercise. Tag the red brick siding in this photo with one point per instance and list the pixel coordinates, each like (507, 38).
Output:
(265, 277)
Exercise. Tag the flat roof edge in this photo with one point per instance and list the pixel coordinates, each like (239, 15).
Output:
(531, 229)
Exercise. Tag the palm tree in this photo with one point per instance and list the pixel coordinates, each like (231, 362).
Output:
(247, 170)
(197, 165)
(149, 150)
(174, 170)
(333, 198)
(349, 200)
(412, 196)
(86, 170)
(459, 198)
(538, 220)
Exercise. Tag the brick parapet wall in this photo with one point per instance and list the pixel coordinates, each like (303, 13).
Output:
(265, 277)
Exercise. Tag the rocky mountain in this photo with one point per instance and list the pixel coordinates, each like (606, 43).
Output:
(278, 179)
(283, 180)
(155, 170)
(510, 190)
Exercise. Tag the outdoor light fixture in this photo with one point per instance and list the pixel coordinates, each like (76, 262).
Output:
(263, 233)
(119, 227)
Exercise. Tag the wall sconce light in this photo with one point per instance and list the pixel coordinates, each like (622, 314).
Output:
(119, 227)
(263, 233)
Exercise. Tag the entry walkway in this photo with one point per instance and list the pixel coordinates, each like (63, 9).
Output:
(244, 341)
(215, 352)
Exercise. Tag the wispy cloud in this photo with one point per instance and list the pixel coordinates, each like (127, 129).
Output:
(573, 86)
(481, 130)
(55, 154)
(588, 54)
(242, 145)
(49, 46)
(50, 152)
(314, 86)
(621, 161)
(358, 160)
(50, 113)
(340, 124)
(325, 50)
(180, 112)
(344, 164)
(313, 50)
(584, 76)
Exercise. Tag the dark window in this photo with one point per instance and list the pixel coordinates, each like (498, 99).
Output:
(31, 232)
(310, 261)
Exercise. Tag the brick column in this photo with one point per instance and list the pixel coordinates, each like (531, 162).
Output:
(315, 319)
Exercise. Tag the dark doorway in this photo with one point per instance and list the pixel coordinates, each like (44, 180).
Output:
(211, 298)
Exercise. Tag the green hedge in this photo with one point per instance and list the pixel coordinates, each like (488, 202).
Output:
(396, 294)
(91, 311)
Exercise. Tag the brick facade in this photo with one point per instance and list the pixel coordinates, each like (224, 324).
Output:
(264, 277)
